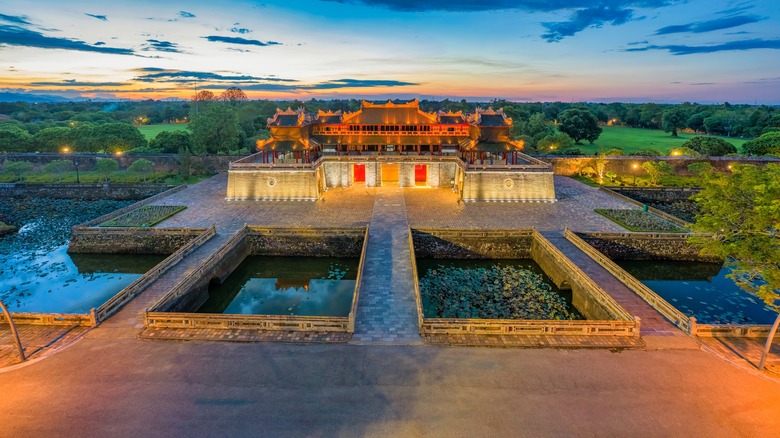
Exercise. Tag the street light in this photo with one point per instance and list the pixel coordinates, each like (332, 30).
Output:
(634, 167)
(76, 165)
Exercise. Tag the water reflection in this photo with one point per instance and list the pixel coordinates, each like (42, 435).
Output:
(303, 286)
(57, 282)
(701, 290)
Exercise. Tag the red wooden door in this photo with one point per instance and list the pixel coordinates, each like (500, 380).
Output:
(420, 173)
(360, 172)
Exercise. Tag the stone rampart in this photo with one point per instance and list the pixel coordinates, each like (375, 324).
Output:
(83, 191)
(624, 165)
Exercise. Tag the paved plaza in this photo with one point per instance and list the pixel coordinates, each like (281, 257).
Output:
(121, 380)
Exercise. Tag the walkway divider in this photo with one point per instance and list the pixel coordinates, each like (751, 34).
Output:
(687, 324)
(358, 282)
(123, 297)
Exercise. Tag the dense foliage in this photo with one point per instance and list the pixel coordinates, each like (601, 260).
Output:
(740, 212)
(710, 146)
(500, 292)
(768, 143)
(145, 216)
(579, 124)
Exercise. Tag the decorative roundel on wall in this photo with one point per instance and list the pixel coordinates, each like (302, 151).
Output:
(508, 183)
(271, 182)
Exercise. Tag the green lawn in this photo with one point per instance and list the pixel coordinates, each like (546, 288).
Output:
(150, 131)
(631, 139)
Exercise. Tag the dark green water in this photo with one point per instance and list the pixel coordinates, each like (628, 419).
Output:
(57, 282)
(701, 290)
(424, 265)
(302, 286)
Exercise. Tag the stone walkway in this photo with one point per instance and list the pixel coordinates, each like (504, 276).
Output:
(387, 309)
(132, 314)
(653, 324)
(37, 341)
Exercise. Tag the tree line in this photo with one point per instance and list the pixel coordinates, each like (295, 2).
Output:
(230, 123)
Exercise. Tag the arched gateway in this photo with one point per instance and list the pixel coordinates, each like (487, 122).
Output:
(389, 143)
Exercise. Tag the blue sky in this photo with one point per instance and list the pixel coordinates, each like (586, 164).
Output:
(525, 50)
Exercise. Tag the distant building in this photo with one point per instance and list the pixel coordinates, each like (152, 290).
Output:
(388, 143)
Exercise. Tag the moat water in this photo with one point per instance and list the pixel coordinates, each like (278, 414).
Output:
(702, 290)
(58, 282)
(426, 264)
(301, 286)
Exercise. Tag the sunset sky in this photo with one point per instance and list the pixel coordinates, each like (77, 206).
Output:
(524, 50)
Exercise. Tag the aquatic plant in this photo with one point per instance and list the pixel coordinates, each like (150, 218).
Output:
(499, 292)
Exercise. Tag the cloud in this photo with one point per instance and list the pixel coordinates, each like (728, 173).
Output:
(162, 46)
(75, 83)
(17, 36)
(711, 25)
(729, 46)
(99, 17)
(241, 30)
(326, 85)
(585, 14)
(154, 74)
(585, 18)
(15, 19)
(495, 5)
(185, 14)
(237, 40)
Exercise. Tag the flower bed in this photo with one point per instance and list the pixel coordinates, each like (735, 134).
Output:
(499, 292)
(146, 216)
(638, 220)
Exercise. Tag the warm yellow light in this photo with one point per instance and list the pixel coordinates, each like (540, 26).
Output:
(65, 150)
(675, 153)
(118, 153)
(635, 166)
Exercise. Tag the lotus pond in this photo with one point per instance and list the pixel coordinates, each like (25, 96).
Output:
(701, 290)
(58, 282)
(491, 289)
(301, 286)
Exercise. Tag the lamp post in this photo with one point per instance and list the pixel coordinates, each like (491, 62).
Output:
(76, 165)
(14, 333)
(633, 171)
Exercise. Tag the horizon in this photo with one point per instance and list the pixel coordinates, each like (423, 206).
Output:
(520, 51)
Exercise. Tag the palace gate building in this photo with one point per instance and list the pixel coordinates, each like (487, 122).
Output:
(390, 144)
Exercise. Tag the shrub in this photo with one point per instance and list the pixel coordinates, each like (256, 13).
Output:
(710, 146)
(766, 144)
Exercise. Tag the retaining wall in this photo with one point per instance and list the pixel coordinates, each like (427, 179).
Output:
(305, 242)
(162, 162)
(130, 240)
(472, 244)
(624, 165)
(645, 246)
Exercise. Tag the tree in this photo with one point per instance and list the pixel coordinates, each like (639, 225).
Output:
(555, 142)
(647, 152)
(14, 138)
(171, 142)
(58, 167)
(143, 167)
(533, 130)
(655, 169)
(696, 121)
(53, 139)
(768, 143)
(740, 217)
(185, 162)
(674, 119)
(700, 167)
(204, 95)
(233, 96)
(106, 166)
(215, 130)
(713, 146)
(18, 168)
(579, 124)
(116, 137)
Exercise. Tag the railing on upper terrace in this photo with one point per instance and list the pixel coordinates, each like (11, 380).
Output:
(535, 165)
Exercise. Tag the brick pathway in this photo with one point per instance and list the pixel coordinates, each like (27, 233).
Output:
(653, 324)
(243, 335)
(37, 341)
(535, 341)
(387, 309)
(745, 351)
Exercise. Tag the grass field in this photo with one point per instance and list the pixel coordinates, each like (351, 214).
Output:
(150, 131)
(631, 139)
